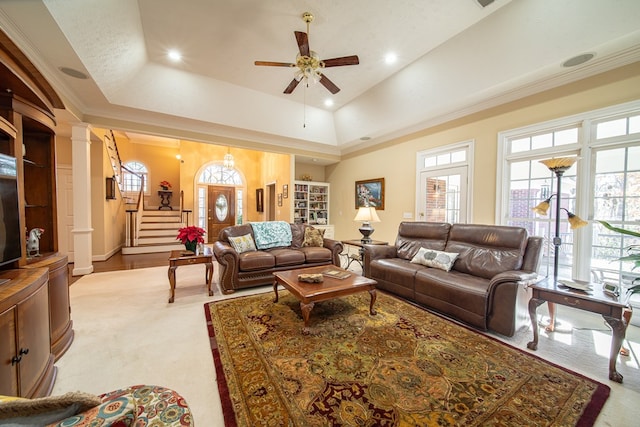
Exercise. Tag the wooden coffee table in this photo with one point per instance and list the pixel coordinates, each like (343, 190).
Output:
(310, 293)
(179, 258)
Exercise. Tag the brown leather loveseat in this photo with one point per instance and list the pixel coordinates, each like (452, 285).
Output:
(256, 267)
(486, 284)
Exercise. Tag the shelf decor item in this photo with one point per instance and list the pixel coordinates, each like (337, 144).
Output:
(190, 237)
(165, 185)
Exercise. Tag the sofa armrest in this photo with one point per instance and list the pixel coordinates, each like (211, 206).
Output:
(373, 252)
(335, 246)
(507, 300)
(519, 277)
(229, 262)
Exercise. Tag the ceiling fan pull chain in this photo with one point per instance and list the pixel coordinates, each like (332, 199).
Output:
(304, 111)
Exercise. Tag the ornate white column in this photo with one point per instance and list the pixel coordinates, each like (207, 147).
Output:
(82, 230)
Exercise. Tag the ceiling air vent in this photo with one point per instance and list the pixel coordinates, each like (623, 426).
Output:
(484, 3)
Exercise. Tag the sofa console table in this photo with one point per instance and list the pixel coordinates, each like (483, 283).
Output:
(594, 300)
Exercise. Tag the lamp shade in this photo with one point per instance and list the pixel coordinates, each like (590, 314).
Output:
(367, 214)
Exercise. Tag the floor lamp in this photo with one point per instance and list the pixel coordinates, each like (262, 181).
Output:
(558, 165)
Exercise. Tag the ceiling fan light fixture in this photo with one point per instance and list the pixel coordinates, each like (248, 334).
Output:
(308, 65)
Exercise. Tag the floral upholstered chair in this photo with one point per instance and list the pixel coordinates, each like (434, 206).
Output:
(132, 406)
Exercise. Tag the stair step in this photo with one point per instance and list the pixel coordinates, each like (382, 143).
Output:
(161, 226)
(156, 240)
(161, 220)
(158, 232)
(150, 249)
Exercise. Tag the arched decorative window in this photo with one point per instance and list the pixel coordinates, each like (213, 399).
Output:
(217, 174)
(131, 181)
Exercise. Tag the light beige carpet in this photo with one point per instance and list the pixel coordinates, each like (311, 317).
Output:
(127, 333)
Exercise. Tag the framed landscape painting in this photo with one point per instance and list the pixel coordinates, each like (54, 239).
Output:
(370, 193)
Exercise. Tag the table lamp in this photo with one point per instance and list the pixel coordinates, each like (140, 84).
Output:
(366, 214)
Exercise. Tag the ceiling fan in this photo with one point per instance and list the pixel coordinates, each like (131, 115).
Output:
(308, 63)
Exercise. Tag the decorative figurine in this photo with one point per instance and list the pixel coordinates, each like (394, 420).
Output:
(33, 242)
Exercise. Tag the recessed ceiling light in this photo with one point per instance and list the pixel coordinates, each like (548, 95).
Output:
(390, 58)
(72, 72)
(328, 102)
(578, 60)
(365, 138)
(174, 55)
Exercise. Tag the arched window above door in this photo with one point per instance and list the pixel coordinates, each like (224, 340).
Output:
(218, 174)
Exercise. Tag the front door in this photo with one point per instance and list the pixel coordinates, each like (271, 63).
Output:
(221, 211)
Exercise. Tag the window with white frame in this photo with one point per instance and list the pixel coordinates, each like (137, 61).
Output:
(443, 184)
(603, 185)
(131, 178)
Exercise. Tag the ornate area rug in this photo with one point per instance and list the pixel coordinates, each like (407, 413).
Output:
(403, 367)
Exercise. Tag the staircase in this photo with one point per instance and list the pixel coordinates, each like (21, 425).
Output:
(158, 231)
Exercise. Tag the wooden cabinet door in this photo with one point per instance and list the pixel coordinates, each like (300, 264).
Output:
(8, 371)
(59, 308)
(33, 339)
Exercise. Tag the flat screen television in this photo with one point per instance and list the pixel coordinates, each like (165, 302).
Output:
(10, 246)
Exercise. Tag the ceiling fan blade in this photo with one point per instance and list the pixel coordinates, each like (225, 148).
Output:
(303, 43)
(274, 64)
(324, 80)
(345, 60)
(292, 86)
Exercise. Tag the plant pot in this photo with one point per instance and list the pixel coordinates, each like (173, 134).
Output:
(165, 188)
(191, 246)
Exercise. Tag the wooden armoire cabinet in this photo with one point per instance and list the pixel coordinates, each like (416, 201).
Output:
(26, 367)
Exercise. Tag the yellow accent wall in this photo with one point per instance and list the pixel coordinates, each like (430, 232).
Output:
(396, 160)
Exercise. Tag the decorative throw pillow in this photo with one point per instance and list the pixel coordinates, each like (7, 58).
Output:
(242, 243)
(437, 259)
(313, 237)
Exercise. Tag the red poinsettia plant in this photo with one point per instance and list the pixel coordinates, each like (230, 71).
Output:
(166, 184)
(191, 234)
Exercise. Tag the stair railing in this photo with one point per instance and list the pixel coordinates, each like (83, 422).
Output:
(133, 219)
(183, 210)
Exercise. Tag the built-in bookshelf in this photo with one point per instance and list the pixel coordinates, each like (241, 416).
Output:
(311, 203)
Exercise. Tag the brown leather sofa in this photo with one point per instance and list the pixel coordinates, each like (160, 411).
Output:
(256, 268)
(486, 286)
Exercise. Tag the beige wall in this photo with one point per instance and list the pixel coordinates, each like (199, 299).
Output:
(316, 172)
(63, 150)
(396, 162)
(161, 163)
(107, 216)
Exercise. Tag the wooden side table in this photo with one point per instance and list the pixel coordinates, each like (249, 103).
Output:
(360, 256)
(182, 257)
(595, 301)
